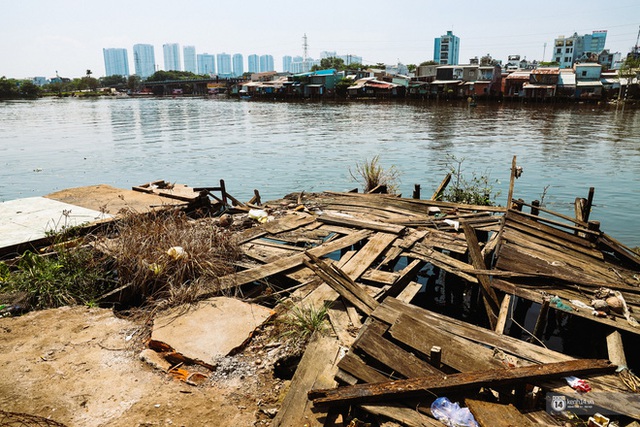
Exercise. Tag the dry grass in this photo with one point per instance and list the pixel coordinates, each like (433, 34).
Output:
(168, 257)
(371, 174)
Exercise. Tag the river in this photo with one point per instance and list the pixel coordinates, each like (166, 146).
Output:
(283, 147)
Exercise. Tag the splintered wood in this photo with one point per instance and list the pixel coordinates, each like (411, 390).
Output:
(379, 262)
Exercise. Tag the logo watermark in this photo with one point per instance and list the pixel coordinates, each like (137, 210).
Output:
(593, 403)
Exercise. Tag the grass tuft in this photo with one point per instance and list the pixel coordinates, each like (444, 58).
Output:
(371, 174)
(301, 322)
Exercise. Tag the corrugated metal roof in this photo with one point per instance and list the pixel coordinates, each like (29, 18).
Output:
(519, 75)
(534, 86)
(546, 71)
(589, 84)
(445, 82)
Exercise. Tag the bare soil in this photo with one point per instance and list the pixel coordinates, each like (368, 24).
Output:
(80, 366)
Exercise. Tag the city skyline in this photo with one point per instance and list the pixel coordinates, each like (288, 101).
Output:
(39, 43)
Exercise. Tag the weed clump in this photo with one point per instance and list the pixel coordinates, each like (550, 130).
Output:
(475, 191)
(370, 174)
(169, 257)
(299, 323)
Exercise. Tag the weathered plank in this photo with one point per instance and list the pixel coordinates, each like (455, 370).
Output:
(288, 223)
(405, 415)
(489, 295)
(361, 223)
(442, 384)
(316, 369)
(409, 292)
(368, 254)
(496, 415)
(406, 276)
(440, 260)
(284, 264)
(372, 342)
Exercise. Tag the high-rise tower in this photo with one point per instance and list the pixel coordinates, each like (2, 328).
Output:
(144, 60)
(116, 62)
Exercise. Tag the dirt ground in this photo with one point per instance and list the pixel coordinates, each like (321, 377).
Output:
(80, 366)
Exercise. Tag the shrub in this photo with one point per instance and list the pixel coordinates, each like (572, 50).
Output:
(476, 191)
(371, 174)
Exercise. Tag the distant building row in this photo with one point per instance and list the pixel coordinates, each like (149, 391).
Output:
(116, 61)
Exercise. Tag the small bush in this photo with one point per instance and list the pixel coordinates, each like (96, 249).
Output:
(476, 191)
(371, 174)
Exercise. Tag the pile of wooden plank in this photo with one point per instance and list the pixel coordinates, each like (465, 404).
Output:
(366, 256)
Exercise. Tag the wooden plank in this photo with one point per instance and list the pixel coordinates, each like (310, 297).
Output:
(284, 264)
(380, 277)
(442, 261)
(288, 223)
(317, 367)
(406, 276)
(503, 315)
(342, 284)
(391, 309)
(496, 415)
(409, 292)
(532, 224)
(361, 223)
(442, 384)
(437, 195)
(341, 323)
(489, 296)
(371, 341)
(368, 254)
(355, 366)
(453, 242)
(405, 415)
(457, 352)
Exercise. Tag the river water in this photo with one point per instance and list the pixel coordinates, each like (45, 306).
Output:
(279, 148)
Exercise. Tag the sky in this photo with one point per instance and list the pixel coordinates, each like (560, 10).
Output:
(40, 38)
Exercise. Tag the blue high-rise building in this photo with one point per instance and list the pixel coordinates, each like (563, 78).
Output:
(172, 61)
(116, 62)
(253, 61)
(144, 60)
(190, 62)
(287, 60)
(224, 64)
(206, 64)
(238, 64)
(446, 49)
(266, 63)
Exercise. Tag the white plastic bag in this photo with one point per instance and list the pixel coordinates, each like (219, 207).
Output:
(451, 414)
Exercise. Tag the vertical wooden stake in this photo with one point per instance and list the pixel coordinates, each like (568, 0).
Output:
(615, 349)
(416, 191)
(504, 313)
(534, 207)
(542, 319)
(511, 182)
(436, 356)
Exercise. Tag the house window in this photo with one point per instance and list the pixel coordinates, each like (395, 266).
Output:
(559, 50)
(584, 74)
(567, 59)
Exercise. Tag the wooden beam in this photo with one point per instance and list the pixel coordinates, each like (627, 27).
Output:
(489, 414)
(443, 384)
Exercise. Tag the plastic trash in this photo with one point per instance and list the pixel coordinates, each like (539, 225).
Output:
(259, 215)
(557, 302)
(451, 414)
(578, 384)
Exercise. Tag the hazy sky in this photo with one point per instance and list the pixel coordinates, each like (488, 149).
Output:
(38, 37)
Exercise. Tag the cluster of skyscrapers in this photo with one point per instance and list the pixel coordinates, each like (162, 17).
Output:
(116, 61)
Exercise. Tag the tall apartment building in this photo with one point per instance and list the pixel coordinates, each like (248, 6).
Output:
(446, 49)
(266, 63)
(351, 59)
(172, 60)
(238, 64)
(144, 60)
(253, 62)
(116, 62)
(287, 60)
(206, 64)
(568, 50)
(224, 64)
(190, 61)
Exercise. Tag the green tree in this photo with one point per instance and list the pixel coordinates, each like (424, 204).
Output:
(113, 81)
(29, 90)
(342, 85)
(8, 88)
(431, 62)
(411, 67)
(133, 83)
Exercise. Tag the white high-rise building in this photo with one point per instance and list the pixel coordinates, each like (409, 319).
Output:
(116, 62)
(238, 64)
(144, 60)
(206, 64)
(190, 61)
(172, 61)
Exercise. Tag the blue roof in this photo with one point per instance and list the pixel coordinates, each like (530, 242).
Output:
(328, 72)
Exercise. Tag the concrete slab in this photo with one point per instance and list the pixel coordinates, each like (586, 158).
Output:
(112, 200)
(26, 220)
(212, 329)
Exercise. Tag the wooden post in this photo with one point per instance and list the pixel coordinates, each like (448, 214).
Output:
(616, 349)
(587, 208)
(517, 205)
(436, 356)
(511, 182)
(416, 191)
(504, 313)
(437, 195)
(534, 208)
(542, 319)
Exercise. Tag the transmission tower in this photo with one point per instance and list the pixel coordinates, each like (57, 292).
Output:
(305, 48)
